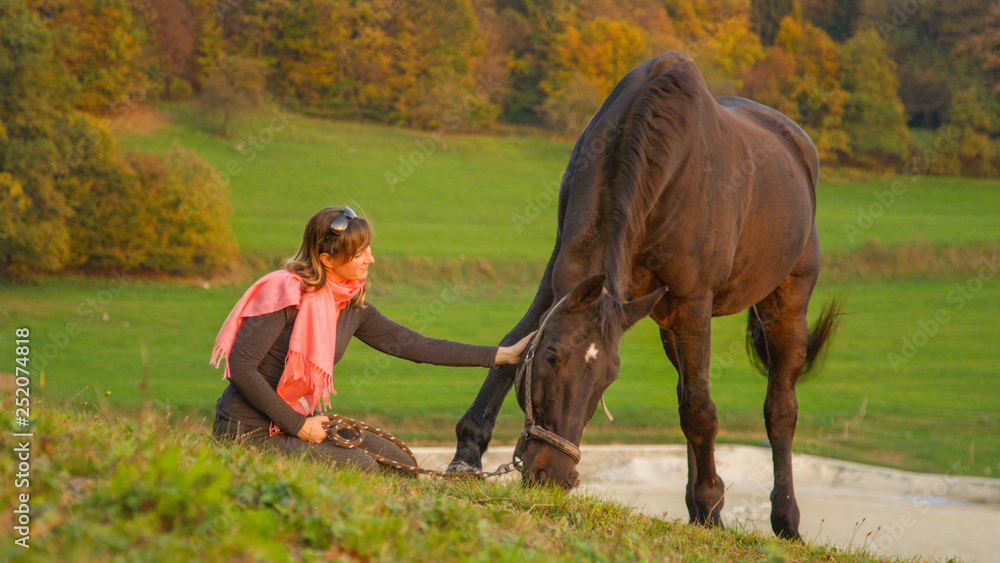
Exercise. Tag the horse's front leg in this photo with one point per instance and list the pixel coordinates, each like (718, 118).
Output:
(690, 337)
(475, 429)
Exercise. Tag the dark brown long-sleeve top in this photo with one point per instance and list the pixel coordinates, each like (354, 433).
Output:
(257, 360)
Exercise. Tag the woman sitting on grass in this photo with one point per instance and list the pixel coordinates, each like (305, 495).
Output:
(284, 336)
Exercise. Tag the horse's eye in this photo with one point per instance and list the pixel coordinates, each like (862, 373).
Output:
(551, 358)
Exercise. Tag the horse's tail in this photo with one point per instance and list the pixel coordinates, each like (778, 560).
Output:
(819, 336)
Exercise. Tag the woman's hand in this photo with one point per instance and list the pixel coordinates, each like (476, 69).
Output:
(312, 430)
(512, 354)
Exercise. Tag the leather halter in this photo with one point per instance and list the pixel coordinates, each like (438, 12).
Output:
(531, 428)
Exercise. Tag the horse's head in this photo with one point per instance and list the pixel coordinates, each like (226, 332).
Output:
(571, 361)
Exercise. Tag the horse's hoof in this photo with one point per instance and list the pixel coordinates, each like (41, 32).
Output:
(789, 535)
(462, 468)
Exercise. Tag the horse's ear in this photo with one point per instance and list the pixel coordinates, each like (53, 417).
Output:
(587, 292)
(637, 309)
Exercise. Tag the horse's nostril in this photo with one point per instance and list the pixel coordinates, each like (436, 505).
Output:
(541, 476)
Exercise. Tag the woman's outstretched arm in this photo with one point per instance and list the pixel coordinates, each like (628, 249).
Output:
(386, 335)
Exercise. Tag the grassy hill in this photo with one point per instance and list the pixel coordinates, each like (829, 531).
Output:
(464, 224)
(145, 488)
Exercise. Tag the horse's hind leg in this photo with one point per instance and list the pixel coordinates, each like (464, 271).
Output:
(780, 335)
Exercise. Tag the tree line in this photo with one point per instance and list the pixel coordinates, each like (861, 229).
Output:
(855, 73)
(858, 75)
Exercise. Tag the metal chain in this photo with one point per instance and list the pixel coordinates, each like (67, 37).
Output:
(359, 428)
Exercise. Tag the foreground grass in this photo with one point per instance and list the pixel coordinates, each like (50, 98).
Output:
(143, 488)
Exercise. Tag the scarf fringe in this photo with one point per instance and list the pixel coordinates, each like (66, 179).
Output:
(219, 356)
(298, 367)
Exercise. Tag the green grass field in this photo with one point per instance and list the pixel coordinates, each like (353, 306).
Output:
(912, 380)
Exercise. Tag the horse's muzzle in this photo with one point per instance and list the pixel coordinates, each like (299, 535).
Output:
(548, 466)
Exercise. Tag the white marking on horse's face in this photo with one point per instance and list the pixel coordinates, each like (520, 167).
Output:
(591, 353)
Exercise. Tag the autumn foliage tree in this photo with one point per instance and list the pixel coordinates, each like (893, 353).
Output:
(38, 131)
(768, 15)
(719, 35)
(873, 114)
(102, 46)
(418, 58)
(816, 89)
(466, 64)
(854, 73)
(233, 89)
(68, 199)
(175, 35)
(585, 64)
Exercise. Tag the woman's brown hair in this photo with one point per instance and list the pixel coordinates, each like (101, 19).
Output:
(319, 238)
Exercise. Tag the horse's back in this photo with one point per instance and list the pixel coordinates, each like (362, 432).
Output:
(778, 227)
(781, 125)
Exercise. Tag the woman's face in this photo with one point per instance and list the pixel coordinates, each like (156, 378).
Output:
(354, 269)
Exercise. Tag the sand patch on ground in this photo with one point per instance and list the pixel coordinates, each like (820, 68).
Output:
(846, 505)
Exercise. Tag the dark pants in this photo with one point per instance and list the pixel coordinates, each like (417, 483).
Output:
(327, 450)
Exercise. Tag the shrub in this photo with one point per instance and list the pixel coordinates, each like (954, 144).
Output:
(68, 199)
(971, 154)
(976, 154)
(165, 214)
(236, 87)
(180, 89)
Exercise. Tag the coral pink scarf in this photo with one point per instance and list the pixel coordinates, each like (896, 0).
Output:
(308, 373)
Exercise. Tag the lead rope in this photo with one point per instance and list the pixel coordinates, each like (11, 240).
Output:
(607, 413)
(359, 429)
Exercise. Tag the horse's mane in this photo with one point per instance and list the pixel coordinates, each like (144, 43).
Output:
(609, 314)
(657, 123)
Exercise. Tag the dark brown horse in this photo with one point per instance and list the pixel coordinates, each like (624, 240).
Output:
(668, 187)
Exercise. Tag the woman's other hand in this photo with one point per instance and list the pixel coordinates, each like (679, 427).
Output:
(512, 354)
(312, 430)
